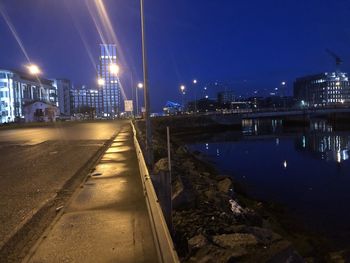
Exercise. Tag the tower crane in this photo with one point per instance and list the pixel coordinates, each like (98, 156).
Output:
(338, 60)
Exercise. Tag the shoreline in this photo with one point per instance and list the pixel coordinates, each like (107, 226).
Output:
(205, 226)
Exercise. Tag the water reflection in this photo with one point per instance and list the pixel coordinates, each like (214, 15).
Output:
(319, 139)
(329, 147)
(305, 169)
(260, 127)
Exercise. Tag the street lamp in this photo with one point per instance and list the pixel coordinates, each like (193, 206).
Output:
(182, 89)
(283, 83)
(149, 150)
(33, 69)
(195, 95)
(139, 86)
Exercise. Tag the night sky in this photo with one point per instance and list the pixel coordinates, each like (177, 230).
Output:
(251, 45)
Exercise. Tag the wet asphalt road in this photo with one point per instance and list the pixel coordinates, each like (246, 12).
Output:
(35, 163)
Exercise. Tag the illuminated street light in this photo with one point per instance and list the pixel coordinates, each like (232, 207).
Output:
(33, 69)
(114, 69)
(101, 82)
(195, 96)
(149, 148)
(139, 86)
(182, 88)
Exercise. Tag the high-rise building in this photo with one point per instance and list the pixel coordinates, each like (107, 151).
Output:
(64, 87)
(322, 90)
(18, 89)
(225, 97)
(109, 81)
(84, 99)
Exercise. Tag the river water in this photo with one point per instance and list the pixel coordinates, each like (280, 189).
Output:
(305, 170)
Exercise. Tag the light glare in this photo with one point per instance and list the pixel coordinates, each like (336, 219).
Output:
(114, 69)
(100, 82)
(33, 69)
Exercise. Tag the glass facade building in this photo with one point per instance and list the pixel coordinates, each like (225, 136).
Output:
(110, 106)
(323, 89)
(18, 89)
(83, 98)
(63, 87)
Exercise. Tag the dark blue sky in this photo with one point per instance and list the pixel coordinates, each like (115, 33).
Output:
(253, 45)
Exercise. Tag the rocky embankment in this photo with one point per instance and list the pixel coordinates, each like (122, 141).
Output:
(211, 222)
(212, 225)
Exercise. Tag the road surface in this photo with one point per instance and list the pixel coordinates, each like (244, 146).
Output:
(36, 163)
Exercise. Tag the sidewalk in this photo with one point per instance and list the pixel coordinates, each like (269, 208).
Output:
(107, 219)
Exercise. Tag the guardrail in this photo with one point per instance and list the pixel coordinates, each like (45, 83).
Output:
(162, 238)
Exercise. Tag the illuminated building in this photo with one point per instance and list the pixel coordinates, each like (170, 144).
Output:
(64, 87)
(85, 99)
(322, 90)
(110, 85)
(18, 89)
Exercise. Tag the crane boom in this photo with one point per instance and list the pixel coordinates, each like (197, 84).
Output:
(338, 60)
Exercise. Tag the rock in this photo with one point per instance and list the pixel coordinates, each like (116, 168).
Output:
(183, 200)
(283, 251)
(340, 256)
(235, 207)
(214, 254)
(197, 242)
(225, 185)
(235, 240)
(181, 150)
(210, 194)
(264, 236)
(161, 165)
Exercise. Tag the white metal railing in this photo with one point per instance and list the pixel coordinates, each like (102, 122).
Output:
(162, 238)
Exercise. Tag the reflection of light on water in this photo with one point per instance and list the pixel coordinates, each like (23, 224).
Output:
(217, 152)
(285, 164)
(338, 159)
(332, 147)
(277, 141)
(207, 146)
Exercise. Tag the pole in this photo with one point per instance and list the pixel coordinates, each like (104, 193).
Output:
(149, 150)
(183, 105)
(168, 143)
(169, 186)
(137, 101)
(195, 100)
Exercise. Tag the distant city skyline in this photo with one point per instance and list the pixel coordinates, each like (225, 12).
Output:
(254, 45)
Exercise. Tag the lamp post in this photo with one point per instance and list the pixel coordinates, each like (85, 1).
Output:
(195, 95)
(149, 150)
(182, 89)
(139, 86)
(283, 84)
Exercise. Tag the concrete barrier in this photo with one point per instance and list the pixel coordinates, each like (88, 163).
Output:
(162, 238)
